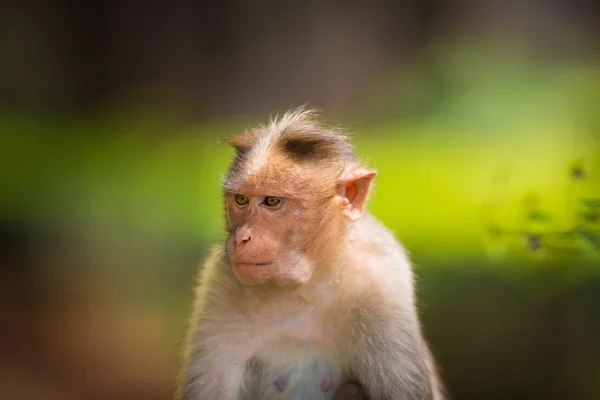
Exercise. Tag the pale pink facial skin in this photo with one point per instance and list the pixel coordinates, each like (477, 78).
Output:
(264, 243)
(277, 242)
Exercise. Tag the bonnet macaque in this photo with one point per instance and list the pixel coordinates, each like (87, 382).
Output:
(310, 296)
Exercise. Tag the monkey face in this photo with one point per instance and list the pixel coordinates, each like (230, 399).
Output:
(268, 238)
(284, 224)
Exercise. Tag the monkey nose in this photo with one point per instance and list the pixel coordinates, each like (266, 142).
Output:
(242, 237)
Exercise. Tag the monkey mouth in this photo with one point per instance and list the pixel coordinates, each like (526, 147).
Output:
(251, 265)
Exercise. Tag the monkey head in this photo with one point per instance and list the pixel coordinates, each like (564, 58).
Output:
(290, 194)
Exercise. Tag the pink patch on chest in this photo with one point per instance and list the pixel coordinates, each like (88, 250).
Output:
(326, 383)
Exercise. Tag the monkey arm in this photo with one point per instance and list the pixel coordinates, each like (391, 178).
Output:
(350, 391)
(197, 381)
(389, 355)
(212, 371)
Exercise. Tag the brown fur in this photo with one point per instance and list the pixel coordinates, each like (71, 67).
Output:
(334, 290)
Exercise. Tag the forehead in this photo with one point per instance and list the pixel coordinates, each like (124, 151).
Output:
(276, 176)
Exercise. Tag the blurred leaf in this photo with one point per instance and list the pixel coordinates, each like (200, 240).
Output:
(590, 211)
(494, 231)
(538, 215)
(592, 203)
(591, 238)
(533, 241)
(531, 200)
(590, 215)
(577, 170)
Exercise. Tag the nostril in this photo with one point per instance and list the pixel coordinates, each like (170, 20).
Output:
(242, 237)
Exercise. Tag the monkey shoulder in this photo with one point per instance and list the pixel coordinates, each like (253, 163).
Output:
(379, 261)
(382, 308)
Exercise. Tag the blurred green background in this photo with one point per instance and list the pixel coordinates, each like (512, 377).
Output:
(481, 117)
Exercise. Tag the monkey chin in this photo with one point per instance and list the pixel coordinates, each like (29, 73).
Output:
(253, 274)
(289, 275)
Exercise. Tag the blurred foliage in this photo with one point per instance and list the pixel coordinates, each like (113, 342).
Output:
(538, 229)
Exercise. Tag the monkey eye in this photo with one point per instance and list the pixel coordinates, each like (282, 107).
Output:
(241, 199)
(272, 201)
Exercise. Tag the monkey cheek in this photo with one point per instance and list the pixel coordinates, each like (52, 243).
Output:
(230, 247)
(295, 271)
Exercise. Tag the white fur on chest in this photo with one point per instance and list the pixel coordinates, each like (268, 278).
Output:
(292, 334)
(296, 346)
(290, 328)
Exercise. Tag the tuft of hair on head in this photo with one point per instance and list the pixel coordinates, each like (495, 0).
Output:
(300, 135)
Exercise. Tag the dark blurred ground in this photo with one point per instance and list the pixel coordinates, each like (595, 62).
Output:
(482, 118)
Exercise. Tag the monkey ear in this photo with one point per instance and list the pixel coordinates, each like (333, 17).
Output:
(353, 190)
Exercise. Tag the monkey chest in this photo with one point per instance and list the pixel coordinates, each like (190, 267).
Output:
(296, 359)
